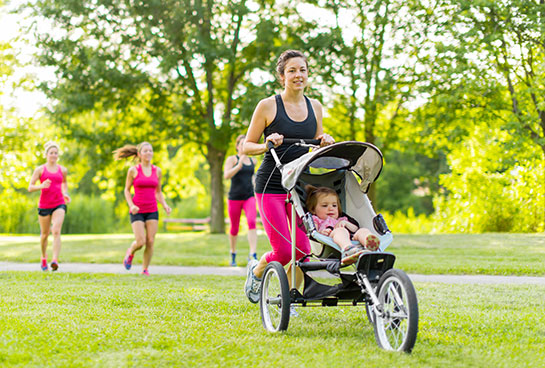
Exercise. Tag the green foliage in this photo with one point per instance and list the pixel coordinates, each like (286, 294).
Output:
(89, 214)
(408, 181)
(407, 222)
(20, 215)
(191, 207)
(86, 214)
(492, 188)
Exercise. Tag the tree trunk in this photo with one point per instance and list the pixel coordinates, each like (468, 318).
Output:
(215, 160)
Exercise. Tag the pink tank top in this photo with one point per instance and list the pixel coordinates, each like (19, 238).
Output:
(144, 190)
(51, 197)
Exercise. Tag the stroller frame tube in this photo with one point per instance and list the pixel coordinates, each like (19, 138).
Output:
(293, 245)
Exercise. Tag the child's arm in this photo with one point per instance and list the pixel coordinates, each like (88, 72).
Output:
(343, 222)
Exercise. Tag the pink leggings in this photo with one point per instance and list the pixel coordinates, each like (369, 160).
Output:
(276, 218)
(235, 208)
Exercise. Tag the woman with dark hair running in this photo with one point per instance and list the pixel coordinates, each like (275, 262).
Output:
(292, 115)
(240, 169)
(53, 199)
(146, 180)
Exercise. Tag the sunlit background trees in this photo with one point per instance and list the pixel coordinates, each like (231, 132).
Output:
(452, 92)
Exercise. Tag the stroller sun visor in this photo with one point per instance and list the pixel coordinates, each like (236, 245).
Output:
(362, 158)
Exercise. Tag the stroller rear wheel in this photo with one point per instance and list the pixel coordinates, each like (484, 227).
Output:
(274, 303)
(396, 317)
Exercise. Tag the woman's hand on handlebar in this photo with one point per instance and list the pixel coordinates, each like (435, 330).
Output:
(275, 138)
(325, 139)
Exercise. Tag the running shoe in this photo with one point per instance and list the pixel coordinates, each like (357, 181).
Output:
(145, 273)
(127, 262)
(293, 311)
(54, 265)
(253, 283)
(43, 264)
(351, 254)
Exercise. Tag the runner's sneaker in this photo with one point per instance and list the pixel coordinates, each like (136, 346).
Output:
(54, 265)
(43, 264)
(127, 262)
(253, 283)
(293, 311)
(351, 254)
(145, 273)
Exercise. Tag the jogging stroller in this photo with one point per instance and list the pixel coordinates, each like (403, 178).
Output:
(387, 293)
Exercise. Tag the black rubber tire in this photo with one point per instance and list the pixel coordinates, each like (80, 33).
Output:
(397, 329)
(274, 303)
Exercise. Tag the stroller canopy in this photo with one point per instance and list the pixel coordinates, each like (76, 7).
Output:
(364, 159)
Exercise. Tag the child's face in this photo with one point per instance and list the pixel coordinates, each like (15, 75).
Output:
(327, 206)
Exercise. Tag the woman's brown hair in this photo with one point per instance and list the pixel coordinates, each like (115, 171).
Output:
(129, 150)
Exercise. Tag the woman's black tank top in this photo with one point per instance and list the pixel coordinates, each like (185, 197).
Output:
(282, 124)
(242, 187)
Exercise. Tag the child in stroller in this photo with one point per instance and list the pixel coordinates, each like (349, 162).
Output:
(324, 204)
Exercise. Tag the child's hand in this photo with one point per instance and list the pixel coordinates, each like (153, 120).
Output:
(341, 223)
(326, 231)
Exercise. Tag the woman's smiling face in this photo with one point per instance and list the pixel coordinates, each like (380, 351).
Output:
(295, 73)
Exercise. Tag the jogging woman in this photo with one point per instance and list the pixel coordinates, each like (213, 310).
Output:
(240, 169)
(53, 199)
(146, 180)
(292, 115)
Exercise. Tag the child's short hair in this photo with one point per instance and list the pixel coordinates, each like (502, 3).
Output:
(314, 193)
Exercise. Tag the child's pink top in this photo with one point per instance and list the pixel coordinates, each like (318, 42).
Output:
(144, 190)
(51, 197)
(328, 222)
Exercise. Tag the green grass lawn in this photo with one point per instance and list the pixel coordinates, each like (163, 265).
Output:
(82, 320)
(491, 254)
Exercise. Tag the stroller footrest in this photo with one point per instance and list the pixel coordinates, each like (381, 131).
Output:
(375, 264)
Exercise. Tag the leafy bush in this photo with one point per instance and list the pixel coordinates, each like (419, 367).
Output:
(492, 189)
(20, 214)
(86, 214)
(89, 215)
(409, 223)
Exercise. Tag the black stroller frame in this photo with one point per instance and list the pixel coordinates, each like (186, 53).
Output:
(387, 293)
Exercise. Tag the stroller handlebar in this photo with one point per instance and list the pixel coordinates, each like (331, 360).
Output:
(293, 141)
(297, 141)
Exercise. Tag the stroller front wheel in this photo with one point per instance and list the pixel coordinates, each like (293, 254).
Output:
(274, 303)
(396, 316)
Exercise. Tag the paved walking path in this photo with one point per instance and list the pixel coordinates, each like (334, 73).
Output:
(240, 271)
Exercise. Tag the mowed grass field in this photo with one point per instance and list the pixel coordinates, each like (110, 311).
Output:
(490, 254)
(106, 320)
(99, 320)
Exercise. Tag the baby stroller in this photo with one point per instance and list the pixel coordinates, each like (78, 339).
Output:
(387, 293)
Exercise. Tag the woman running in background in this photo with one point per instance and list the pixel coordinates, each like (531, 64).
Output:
(53, 199)
(240, 169)
(146, 180)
